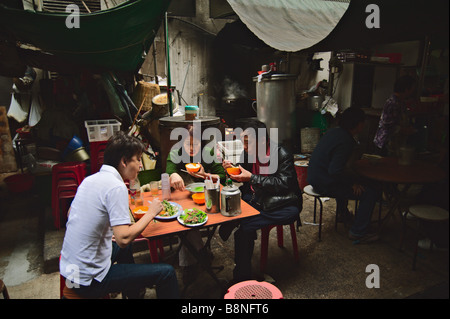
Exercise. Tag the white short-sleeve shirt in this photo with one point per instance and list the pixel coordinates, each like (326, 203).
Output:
(100, 203)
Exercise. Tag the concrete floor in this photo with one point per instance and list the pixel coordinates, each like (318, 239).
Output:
(333, 268)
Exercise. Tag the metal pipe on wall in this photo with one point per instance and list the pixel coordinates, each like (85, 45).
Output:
(425, 60)
(169, 84)
(154, 62)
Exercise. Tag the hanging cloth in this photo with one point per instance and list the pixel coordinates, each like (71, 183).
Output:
(17, 109)
(35, 108)
(290, 25)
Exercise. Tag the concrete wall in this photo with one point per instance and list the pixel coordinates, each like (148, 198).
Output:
(190, 49)
(307, 77)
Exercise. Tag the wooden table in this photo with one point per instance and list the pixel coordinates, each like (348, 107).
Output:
(388, 171)
(157, 229)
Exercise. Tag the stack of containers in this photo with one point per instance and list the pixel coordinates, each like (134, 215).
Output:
(165, 186)
(98, 132)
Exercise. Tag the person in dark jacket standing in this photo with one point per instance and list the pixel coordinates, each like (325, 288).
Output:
(271, 187)
(330, 173)
(394, 126)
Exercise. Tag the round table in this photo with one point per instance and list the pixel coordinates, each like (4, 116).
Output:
(388, 171)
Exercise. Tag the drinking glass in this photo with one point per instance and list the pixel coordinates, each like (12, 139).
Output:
(154, 188)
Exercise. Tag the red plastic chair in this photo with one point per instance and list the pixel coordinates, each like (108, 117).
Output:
(97, 150)
(75, 169)
(153, 246)
(252, 289)
(265, 242)
(66, 177)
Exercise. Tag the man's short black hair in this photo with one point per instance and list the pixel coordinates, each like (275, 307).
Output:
(121, 145)
(351, 117)
(255, 124)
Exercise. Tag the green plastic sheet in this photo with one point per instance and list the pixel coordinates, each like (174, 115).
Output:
(113, 39)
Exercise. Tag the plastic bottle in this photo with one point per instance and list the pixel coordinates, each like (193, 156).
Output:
(165, 186)
(135, 193)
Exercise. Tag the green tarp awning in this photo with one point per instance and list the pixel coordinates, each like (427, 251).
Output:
(114, 39)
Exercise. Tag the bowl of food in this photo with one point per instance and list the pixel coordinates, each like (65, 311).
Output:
(139, 211)
(233, 170)
(196, 188)
(193, 167)
(199, 198)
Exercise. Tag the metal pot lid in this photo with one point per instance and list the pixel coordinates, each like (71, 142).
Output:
(230, 190)
(176, 121)
(275, 77)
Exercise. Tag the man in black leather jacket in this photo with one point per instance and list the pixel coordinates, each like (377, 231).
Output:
(272, 188)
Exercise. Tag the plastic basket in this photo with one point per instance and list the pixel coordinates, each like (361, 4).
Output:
(101, 130)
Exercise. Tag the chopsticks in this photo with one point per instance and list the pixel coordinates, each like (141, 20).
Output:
(183, 170)
(208, 182)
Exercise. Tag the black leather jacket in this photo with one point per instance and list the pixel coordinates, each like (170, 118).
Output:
(276, 190)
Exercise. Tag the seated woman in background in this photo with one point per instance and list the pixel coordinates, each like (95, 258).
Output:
(179, 179)
(191, 146)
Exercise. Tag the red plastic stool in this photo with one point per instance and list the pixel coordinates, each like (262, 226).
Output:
(69, 293)
(253, 289)
(97, 150)
(66, 177)
(265, 242)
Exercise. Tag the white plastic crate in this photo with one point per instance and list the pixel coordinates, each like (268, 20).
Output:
(101, 130)
(231, 150)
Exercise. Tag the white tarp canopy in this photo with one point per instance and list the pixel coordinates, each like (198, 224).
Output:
(290, 25)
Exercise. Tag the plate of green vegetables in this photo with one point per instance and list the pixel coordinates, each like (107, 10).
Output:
(192, 217)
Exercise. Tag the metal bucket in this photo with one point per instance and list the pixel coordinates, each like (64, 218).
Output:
(275, 100)
(301, 167)
(315, 102)
(309, 137)
(78, 155)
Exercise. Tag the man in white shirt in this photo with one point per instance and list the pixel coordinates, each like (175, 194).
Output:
(100, 210)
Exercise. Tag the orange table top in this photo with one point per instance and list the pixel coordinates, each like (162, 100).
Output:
(157, 228)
